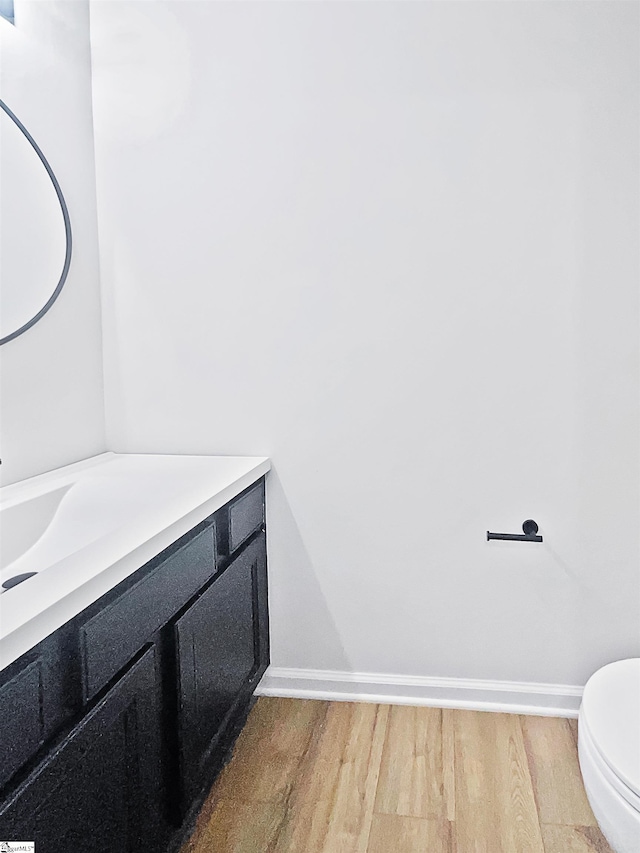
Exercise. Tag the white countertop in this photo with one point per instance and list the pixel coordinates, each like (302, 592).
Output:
(113, 513)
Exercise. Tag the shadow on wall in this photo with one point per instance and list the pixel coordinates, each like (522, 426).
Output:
(297, 604)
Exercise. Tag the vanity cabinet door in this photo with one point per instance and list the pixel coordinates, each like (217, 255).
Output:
(98, 791)
(222, 646)
(36, 700)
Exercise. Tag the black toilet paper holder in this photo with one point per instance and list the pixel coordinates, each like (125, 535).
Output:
(529, 528)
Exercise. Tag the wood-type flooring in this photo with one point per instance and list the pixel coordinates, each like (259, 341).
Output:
(339, 777)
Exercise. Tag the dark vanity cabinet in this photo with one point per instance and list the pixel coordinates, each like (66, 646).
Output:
(114, 727)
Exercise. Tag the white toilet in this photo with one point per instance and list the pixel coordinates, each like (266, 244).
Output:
(609, 751)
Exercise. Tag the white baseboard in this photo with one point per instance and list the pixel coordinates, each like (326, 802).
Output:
(511, 697)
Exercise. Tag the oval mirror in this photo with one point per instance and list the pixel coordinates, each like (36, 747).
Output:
(35, 240)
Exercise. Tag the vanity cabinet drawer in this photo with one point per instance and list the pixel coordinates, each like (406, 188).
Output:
(246, 515)
(112, 637)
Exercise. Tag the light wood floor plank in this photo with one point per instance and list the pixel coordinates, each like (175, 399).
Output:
(449, 763)
(373, 776)
(574, 839)
(332, 807)
(411, 781)
(399, 834)
(555, 771)
(495, 805)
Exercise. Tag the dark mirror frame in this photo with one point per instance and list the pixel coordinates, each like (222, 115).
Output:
(67, 228)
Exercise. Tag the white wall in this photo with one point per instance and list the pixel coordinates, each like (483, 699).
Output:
(394, 246)
(52, 406)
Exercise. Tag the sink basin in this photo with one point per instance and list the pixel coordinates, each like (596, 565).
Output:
(23, 524)
(38, 531)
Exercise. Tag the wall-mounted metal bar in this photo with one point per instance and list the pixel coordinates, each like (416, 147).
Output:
(530, 529)
(516, 537)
